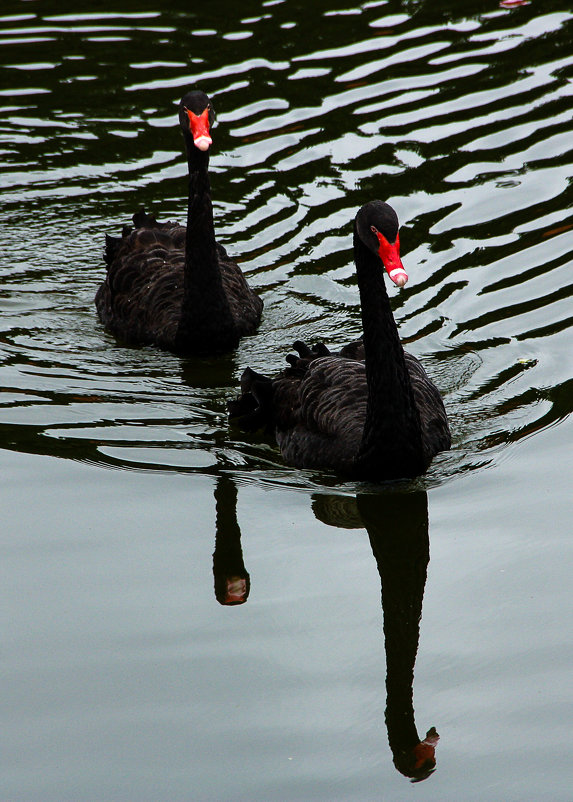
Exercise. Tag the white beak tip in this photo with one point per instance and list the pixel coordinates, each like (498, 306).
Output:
(203, 142)
(398, 276)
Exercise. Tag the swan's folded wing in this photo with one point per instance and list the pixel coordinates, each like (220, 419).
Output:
(141, 297)
(320, 419)
(246, 306)
(433, 418)
(333, 396)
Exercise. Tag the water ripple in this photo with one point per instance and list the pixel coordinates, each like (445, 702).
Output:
(462, 120)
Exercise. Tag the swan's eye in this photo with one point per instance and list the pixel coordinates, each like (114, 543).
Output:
(374, 230)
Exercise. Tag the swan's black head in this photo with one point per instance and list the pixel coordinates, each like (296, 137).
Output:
(196, 116)
(377, 226)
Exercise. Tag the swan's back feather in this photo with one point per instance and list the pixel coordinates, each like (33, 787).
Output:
(329, 417)
(317, 407)
(434, 421)
(141, 298)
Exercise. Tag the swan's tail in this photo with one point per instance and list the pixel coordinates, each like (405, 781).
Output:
(253, 409)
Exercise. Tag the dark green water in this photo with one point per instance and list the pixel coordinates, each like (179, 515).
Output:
(123, 676)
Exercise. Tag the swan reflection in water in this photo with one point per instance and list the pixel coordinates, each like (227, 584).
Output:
(232, 581)
(397, 525)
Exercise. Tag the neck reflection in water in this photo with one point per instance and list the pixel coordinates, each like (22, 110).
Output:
(232, 581)
(397, 525)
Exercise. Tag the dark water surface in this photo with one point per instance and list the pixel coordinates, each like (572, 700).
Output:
(123, 677)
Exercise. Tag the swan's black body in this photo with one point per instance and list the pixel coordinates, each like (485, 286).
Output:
(368, 412)
(172, 286)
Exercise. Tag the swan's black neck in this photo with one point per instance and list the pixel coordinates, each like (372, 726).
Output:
(392, 439)
(205, 315)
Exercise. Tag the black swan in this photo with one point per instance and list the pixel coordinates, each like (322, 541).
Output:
(172, 286)
(381, 418)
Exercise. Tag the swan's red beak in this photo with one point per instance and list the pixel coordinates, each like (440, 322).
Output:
(390, 255)
(200, 129)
